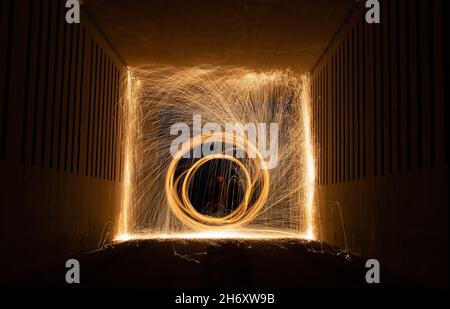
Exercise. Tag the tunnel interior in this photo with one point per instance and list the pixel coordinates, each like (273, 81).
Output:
(90, 110)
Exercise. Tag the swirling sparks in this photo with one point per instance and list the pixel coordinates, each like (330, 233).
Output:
(254, 174)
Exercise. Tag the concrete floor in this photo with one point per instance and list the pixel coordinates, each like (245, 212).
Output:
(214, 264)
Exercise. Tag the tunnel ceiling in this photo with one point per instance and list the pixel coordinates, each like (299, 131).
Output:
(259, 34)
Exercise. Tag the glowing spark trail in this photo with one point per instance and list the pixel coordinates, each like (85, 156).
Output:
(186, 212)
(167, 197)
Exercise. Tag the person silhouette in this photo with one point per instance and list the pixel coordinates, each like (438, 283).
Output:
(216, 196)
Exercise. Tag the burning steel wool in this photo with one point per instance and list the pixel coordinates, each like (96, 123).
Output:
(200, 163)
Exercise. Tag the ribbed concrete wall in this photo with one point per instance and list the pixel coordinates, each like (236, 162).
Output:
(380, 96)
(59, 134)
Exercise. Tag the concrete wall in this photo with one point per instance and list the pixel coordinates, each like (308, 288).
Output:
(380, 96)
(59, 135)
(256, 34)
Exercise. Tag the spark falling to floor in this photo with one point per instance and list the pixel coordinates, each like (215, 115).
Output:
(263, 204)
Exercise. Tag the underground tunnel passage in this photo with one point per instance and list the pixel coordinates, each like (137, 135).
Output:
(224, 144)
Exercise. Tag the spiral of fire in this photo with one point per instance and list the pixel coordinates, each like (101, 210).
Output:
(256, 183)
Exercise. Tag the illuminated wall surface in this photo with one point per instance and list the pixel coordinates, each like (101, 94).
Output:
(86, 112)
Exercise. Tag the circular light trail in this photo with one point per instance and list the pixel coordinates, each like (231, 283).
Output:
(256, 176)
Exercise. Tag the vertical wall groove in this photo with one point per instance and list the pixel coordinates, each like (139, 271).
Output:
(6, 78)
(431, 80)
(81, 105)
(76, 104)
(26, 97)
(446, 35)
(37, 89)
(389, 86)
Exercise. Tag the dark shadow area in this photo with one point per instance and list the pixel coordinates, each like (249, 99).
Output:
(215, 264)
